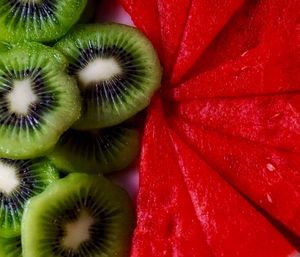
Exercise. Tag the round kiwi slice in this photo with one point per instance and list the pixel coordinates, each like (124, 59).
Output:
(11, 247)
(38, 100)
(80, 215)
(19, 181)
(117, 71)
(97, 151)
(38, 20)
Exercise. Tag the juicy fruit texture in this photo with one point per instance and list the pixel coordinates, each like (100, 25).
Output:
(233, 118)
(197, 36)
(98, 151)
(11, 247)
(117, 70)
(80, 215)
(38, 100)
(19, 181)
(209, 224)
(38, 20)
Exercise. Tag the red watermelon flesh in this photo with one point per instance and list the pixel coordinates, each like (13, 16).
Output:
(272, 121)
(270, 178)
(182, 210)
(232, 226)
(259, 72)
(167, 224)
(206, 19)
(249, 28)
(173, 15)
(145, 16)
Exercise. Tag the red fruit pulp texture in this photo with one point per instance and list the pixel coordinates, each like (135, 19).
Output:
(206, 18)
(173, 16)
(187, 213)
(230, 129)
(268, 177)
(165, 228)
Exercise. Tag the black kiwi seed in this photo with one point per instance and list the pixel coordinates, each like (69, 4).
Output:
(19, 181)
(98, 151)
(117, 70)
(80, 215)
(38, 20)
(38, 100)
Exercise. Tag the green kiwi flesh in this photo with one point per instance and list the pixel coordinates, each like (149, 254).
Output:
(38, 100)
(81, 215)
(38, 20)
(117, 71)
(11, 247)
(97, 151)
(19, 181)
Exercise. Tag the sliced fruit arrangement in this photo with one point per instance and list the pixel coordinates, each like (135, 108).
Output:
(19, 181)
(68, 109)
(96, 151)
(117, 71)
(80, 215)
(228, 129)
(38, 20)
(38, 100)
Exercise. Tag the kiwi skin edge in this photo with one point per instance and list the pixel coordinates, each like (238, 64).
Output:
(79, 186)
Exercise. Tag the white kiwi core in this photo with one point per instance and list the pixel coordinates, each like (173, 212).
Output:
(100, 69)
(21, 97)
(78, 231)
(9, 180)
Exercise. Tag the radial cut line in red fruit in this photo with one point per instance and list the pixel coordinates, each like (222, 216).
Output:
(173, 16)
(167, 224)
(145, 16)
(259, 71)
(183, 205)
(247, 29)
(268, 120)
(268, 177)
(206, 19)
(232, 226)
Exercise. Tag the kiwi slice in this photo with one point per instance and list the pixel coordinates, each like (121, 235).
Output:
(38, 100)
(80, 215)
(11, 247)
(97, 151)
(19, 181)
(38, 20)
(117, 71)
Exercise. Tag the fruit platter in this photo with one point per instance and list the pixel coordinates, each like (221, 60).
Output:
(158, 128)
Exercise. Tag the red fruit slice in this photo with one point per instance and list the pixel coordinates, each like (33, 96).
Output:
(259, 71)
(145, 16)
(167, 224)
(249, 28)
(173, 16)
(232, 226)
(268, 120)
(206, 19)
(184, 206)
(268, 177)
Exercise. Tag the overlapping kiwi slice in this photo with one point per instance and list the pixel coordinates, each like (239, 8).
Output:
(117, 70)
(38, 20)
(80, 215)
(19, 181)
(97, 151)
(11, 247)
(38, 100)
